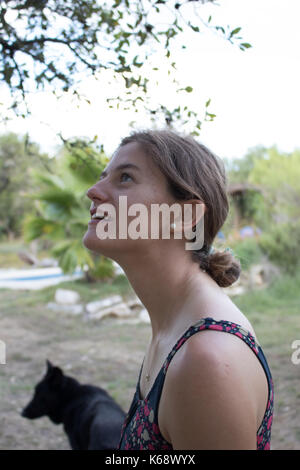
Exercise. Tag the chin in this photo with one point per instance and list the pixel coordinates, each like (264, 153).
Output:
(115, 249)
(93, 243)
(109, 248)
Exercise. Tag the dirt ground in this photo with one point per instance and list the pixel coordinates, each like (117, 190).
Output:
(105, 353)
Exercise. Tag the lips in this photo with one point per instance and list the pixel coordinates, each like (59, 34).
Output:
(100, 215)
(93, 211)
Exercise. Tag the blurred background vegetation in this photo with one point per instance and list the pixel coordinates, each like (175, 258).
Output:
(54, 47)
(44, 199)
(47, 202)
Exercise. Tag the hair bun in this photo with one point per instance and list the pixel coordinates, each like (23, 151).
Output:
(223, 267)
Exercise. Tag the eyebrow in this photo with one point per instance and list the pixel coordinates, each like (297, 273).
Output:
(121, 167)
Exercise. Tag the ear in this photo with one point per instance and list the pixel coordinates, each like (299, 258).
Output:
(54, 374)
(56, 377)
(192, 212)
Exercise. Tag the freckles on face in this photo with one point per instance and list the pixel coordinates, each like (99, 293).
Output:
(143, 183)
(149, 184)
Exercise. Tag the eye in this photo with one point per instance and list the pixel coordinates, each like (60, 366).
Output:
(126, 174)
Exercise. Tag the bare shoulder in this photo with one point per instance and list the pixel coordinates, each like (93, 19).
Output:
(209, 399)
(211, 353)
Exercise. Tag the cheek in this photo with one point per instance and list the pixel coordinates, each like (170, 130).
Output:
(153, 212)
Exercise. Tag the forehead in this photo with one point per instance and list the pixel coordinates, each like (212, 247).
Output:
(133, 153)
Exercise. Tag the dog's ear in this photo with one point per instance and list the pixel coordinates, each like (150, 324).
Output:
(54, 374)
(55, 377)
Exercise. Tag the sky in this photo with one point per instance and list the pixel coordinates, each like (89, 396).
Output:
(254, 93)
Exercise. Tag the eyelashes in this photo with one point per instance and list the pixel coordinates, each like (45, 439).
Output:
(126, 175)
(121, 176)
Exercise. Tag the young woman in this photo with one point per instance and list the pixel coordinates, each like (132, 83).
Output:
(198, 388)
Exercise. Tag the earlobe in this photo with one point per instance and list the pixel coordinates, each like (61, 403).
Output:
(194, 211)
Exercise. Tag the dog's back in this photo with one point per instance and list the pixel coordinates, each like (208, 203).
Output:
(90, 416)
(93, 420)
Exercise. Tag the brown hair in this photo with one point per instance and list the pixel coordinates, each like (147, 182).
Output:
(194, 172)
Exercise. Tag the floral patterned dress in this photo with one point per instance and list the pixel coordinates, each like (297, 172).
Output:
(141, 431)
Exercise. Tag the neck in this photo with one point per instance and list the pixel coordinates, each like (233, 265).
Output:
(165, 282)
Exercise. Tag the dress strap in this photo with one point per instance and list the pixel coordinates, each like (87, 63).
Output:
(209, 323)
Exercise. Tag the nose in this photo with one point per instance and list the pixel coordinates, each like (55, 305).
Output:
(96, 192)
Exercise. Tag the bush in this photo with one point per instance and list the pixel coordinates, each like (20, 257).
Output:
(248, 252)
(282, 245)
(103, 270)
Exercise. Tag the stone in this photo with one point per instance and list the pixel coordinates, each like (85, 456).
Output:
(118, 269)
(93, 307)
(48, 262)
(135, 303)
(117, 310)
(28, 258)
(270, 271)
(66, 308)
(64, 296)
(235, 290)
(144, 316)
(256, 275)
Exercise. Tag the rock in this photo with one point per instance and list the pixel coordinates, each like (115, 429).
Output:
(93, 307)
(32, 259)
(135, 303)
(48, 262)
(117, 310)
(264, 273)
(256, 275)
(270, 271)
(66, 308)
(64, 296)
(236, 289)
(28, 258)
(118, 269)
(144, 316)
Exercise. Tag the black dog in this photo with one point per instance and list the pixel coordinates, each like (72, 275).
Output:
(91, 418)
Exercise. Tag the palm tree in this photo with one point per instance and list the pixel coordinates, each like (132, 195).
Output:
(62, 209)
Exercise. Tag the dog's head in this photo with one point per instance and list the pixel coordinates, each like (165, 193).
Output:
(47, 396)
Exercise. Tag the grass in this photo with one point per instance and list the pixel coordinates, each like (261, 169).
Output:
(274, 312)
(118, 349)
(88, 292)
(283, 291)
(9, 254)
(9, 257)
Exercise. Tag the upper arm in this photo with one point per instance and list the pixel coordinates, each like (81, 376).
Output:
(209, 403)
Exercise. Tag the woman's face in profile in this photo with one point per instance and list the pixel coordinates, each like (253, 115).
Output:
(133, 176)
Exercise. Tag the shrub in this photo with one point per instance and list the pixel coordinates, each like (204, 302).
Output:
(282, 245)
(248, 252)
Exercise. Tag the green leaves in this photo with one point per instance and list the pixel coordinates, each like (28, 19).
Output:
(235, 31)
(90, 36)
(18, 157)
(208, 116)
(282, 248)
(57, 198)
(244, 46)
(62, 209)
(40, 227)
(195, 28)
(230, 35)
